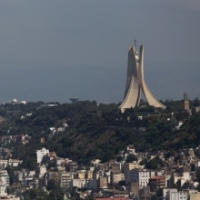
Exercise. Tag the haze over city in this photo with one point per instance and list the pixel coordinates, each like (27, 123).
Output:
(52, 50)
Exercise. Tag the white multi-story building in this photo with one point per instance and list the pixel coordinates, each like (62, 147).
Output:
(79, 183)
(4, 177)
(140, 176)
(4, 182)
(167, 191)
(10, 162)
(42, 170)
(24, 176)
(173, 194)
(3, 190)
(182, 195)
(40, 154)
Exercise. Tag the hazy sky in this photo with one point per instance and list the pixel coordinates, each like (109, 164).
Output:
(55, 49)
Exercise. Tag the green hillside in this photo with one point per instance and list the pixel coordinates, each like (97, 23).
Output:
(97, 131)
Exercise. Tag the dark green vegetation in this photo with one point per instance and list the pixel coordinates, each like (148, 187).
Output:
(155, 164)
(35, 194)
(97, 131)
(54, 192)
(131, 158)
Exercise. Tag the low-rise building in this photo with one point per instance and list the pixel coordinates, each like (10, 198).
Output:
(116, 177)
(9, 197)
(79, 183)
(182, 195)
(42, 171)
(82, 174)
(156, 182)
(10, 162)
(103, 182)
(173, 194)
(195, 196)
(41, 153)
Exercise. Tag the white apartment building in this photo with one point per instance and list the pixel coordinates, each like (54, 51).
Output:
(25, 176)
(79, 183)
(10, 162)
(182, 195)
(4, 178)
(184, 177)
(42, 170)
(3, 190)
(4, 182)
(173, 194)
(41, 153)
(140, 176)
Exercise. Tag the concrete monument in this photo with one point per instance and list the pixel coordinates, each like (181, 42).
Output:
(135, 83)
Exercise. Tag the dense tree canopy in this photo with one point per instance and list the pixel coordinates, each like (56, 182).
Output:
(97, 131)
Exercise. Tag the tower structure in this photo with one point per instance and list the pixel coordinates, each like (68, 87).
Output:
(74, 99)
(186, 102)
(135, 82)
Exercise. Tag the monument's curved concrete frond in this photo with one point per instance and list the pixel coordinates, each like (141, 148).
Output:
(131, 101)
(135, 82)
(132, 85)
(131, 70)
(152, 101)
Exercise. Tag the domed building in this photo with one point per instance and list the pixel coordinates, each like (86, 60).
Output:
(14, 101)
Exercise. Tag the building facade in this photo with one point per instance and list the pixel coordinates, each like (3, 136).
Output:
(41, 153)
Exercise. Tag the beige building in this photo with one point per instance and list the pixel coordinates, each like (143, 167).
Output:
(196, 109)
(186, 105)
(134, 188)
(54, 175)
(116, 177)
(89, 174)
(115, 167)
(42, 171)
(186, 102)
(82, 174)
(103, 182)
(195, 196)
(79, 183)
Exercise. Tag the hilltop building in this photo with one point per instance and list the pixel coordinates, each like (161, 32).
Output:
(135, 83)
(74, 99)
(186, 102)
(41, 153)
